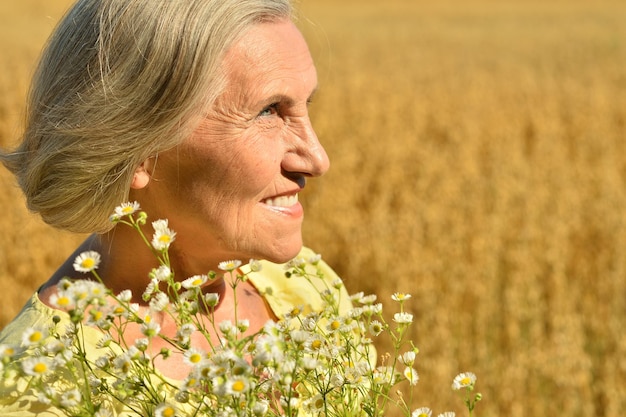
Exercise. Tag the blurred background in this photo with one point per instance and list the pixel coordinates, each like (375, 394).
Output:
(478, 163)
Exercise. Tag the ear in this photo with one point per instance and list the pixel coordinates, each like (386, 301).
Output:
(141, 177)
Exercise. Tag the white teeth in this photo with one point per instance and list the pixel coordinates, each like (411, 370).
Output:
(283, 201)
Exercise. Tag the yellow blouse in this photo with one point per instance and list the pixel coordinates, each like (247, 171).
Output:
(282, 295)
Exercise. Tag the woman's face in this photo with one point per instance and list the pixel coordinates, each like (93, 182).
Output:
(231, 189)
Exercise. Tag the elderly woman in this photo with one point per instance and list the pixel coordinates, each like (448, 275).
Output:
(197, 110)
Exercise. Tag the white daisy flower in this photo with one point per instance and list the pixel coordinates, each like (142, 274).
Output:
(85, 292)
(103, 362)
(87, 261)
(150, 329)
(185, 331)
(334, 324)
(237, 385)
(6, 352)
(368, 299)
(97, 318)
(408, 358)
(211, 299)
(316, 404)
(403, 318)
(422, 412)
(163, 235)
(352, 375)
(295, 263)
(315, 259)
(309, 363)
(61, 301)
(194, 356)
(357, 296)
(243, 325)
(34, 336)
(336, 380)
(229, 266)
(161, 273)
(123, 364)
(193, 380)
(260, 408)
(255, 265)
(165, 410)
(159, 302)
(399, 296)
(37, 365)
(376, 327)
(411, 375)
(125, 296)
(447, 414)
(150, 289)
(374, 308)
(227, 328)
(195, 281)
(94, 382)
(142, 344)
(126, 209)
(45, 395)
(464, 380)
(384, 375)
(71, 398)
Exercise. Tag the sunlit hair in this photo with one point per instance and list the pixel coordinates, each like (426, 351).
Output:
(120, 81)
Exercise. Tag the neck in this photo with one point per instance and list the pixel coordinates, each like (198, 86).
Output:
(126, 261)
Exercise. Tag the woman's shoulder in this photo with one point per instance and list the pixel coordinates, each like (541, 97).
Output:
(39, 316)
(34, 314)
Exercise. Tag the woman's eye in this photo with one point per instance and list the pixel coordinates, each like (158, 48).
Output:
(269, 110)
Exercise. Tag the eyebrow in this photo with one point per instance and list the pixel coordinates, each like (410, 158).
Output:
(277, 98)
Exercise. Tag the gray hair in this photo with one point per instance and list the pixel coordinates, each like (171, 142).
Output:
(120, 81)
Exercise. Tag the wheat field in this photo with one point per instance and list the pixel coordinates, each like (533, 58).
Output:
(478, 163)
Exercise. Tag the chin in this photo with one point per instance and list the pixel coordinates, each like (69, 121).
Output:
(284, 254)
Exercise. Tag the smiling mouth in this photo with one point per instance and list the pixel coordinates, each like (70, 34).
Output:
(282, 201)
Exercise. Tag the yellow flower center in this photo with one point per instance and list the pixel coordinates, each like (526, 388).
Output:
(196, 282)
(316, 344)
(466, 381)
(238, 386)
(88, 263)
(127, 209)
(164, 239)
(319, 403)
(40, 368)
(169, 412)
(63, 301)
(335, 325)
(195, 358)
(35, 337)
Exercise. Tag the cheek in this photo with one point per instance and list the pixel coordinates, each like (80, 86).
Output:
(229, 162)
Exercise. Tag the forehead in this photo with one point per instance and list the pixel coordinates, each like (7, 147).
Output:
(268, 54)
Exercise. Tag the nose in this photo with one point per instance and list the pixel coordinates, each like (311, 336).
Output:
(305, 154)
